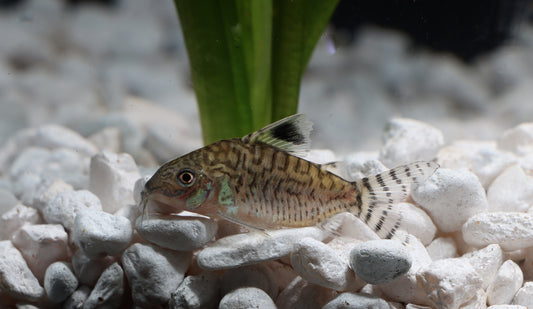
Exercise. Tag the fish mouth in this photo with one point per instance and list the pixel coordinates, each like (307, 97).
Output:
(157, 204)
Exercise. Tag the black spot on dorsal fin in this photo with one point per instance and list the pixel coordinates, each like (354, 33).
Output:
(288, 131)
(290, 134)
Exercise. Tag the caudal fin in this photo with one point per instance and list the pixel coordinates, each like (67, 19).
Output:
(380, 192)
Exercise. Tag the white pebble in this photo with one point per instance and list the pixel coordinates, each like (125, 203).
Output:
(49, 191)
(511, 230)
(182, 233)
(98, 233)
(16, 278)
(357, 301)
(507, 307)
(416, 222)
(442, 248)
(15, 218)
(449, 283)
(7, 200)
(107, 139)
(64, 207)
(518, 139)
(317, 263)
(405, 288)
(50, 137)
(408, 140)
(481, 158)
(42, 245)
(505, 285)
(252, 248)
(89, 270)
(524, 296)
(153, 273)
(50, 165)
(248, 297)
(380, 261)
(300, 294)
(486, 262)
(195, 292)
(451, 197)
(112, 179)
(511, 191)
(59, 282)
(108, 291)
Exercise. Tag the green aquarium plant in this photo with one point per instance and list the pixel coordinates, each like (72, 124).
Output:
(247, 58)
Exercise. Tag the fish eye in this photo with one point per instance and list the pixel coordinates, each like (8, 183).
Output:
(186, 178)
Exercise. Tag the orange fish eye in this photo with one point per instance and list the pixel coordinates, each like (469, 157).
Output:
(186, 177)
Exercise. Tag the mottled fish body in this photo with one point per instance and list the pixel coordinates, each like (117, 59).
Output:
(259, 182)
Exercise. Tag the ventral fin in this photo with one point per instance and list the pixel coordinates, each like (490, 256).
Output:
(290, 134)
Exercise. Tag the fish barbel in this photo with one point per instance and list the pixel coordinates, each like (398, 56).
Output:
(259, 182)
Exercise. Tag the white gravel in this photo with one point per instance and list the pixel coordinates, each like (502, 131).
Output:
(82, 128)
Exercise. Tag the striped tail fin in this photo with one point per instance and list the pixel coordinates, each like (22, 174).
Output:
(380, 192)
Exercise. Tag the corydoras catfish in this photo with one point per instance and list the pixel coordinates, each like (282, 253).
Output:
(258, 181)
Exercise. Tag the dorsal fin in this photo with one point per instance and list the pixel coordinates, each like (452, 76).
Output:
(290, 134)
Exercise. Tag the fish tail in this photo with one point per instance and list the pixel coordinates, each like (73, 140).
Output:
(377, 195)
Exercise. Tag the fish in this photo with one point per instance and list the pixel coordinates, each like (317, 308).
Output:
(261, 181)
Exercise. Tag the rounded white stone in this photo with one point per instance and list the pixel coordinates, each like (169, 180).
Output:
(486, 262)
(59, 282)
(201, 291)
(49, 192)
(16, 278)
(98, 233)
(64, 207)
(442, 248)
(380, 261)
(37, 165)
(41, 245)
(357, 301)
(451, 197)
(408, 140)
(317, 263)
(511, 230)
(449, 283)
(252, 248)
(153, 273)
(524, 296)
(300, 294)
(511, 191)
(518, 139)
(482, 158)
(109, 289)
(112, 179)
(15, 218)
(505, 284)
(182, 233)
(507, 307)
(248, 297)
(417, 222)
